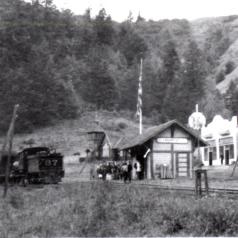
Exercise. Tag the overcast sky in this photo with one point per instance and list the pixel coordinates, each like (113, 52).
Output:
(154, 9)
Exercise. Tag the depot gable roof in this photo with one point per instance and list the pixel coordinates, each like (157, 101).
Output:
(156, 130)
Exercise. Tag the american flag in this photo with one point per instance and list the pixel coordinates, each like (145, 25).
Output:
(139, 99)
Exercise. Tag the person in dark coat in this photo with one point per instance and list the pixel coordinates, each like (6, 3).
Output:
(129, 171)
(222, 159)
(124, 172)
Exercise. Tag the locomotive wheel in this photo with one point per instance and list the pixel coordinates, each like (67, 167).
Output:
(24, 182)
(55, 179)
(51, 180)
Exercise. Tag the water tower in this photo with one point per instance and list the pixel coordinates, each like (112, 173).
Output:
(96, 136)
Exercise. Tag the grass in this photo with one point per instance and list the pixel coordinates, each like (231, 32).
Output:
(98, 209)
(217, 177)
(69, 136)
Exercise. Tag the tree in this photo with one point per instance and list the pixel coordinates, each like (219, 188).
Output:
(167, 79)
(28, 65)
(132, 46)
(193, 73)
(140, 18)
(129, 88)
(232, 98)
(98, 86)
(217, 42)
(104, 28)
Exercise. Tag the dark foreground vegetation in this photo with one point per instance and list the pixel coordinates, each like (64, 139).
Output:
(98, 209)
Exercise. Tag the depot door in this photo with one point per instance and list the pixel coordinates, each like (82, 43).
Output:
(210, 155)
(182, 164)
(227, 157)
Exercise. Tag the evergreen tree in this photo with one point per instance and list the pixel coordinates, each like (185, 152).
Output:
(104, 28)
(193, 73)
(166, 91)
(52, 60)
(98, 87)
(129, 90)
(150, 83)
(28, 66)
(232, 98)
(217, 42)
(131, 44)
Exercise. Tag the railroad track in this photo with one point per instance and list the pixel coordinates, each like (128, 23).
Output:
(190, 191)
(230, 193)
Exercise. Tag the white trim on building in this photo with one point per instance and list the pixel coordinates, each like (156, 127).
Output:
(221, 135)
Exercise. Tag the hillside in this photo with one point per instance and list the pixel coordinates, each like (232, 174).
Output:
(70, 136)
(219, 36)
(60, 71)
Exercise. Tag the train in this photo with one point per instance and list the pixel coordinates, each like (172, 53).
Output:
(34, 165)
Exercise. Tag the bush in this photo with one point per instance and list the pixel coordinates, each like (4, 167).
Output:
(229, 67)
(122, 124)
(101, 209)
(116, 125)
(81, 159)
(214, 217)
(220, 77)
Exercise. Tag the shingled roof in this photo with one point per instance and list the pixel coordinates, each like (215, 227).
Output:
(156, 130)
(119, 144)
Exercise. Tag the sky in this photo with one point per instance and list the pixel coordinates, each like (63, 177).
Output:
(153, 9)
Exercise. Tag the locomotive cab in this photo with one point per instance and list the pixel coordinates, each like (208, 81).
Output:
(40, 165)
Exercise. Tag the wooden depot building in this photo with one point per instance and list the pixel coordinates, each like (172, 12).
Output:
(168, 147)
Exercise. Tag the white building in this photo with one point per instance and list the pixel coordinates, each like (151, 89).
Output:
(221, 135)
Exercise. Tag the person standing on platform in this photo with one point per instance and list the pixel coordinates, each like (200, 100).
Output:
(124, 172)
(129, 171)
(137, 166)
(222, 159)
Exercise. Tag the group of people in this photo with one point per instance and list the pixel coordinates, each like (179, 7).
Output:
(118, 171)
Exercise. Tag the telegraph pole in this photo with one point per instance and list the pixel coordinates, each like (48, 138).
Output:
(8, 141)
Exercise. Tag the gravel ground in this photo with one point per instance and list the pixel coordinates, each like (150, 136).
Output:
(218, 177)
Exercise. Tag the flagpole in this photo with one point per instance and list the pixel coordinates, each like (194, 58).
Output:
(140, 121)
(140, 95)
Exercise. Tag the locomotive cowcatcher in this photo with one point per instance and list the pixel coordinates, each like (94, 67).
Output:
(37, 165)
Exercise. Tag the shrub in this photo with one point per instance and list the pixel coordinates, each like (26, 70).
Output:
(220, 77)
(81, 159)
(229, 67)
(214, 217)
(116, 125)
(101, 209)
(122, 124)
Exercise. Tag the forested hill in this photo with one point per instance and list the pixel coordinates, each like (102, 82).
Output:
(57, 65)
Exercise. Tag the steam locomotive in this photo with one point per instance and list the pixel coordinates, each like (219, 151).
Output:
(34, 165)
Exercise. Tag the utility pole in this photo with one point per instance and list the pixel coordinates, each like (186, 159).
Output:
(8, 141)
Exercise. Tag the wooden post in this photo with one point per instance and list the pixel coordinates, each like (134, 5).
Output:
(206, 182)
(198, 182)
(9, 140)
(234, 168)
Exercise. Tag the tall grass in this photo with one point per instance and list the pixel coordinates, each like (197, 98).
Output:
(98, 209)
